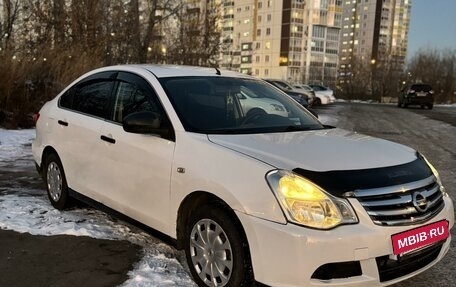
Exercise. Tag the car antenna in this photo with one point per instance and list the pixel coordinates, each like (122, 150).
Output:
(217, 71)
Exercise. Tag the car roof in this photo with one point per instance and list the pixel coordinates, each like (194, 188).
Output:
(164, 71)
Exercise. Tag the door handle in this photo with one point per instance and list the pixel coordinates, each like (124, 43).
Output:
(108, 139)
(63, 123)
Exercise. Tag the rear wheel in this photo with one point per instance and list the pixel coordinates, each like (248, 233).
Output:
(216, 251)
(56, 183)
(430, 106)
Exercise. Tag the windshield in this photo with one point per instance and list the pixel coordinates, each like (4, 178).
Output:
(318, 88)
(421, 88)
(225, 105)
(283, 85)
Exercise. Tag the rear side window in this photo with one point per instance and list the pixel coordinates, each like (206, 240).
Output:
(92, 98)
(91, 95)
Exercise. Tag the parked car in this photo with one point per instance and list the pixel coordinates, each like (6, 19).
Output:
(298, 96)
(309, 92)
(251, 102)
(279, 199)
(325, 94)
(417, 94)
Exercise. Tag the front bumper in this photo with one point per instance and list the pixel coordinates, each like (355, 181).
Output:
(288, 255)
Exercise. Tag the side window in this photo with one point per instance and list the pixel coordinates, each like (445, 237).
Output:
(93, 97)
(66, 100)
(131, 98)
(134, 94)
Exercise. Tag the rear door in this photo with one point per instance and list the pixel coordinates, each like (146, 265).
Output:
(134, 170)
(81, 114)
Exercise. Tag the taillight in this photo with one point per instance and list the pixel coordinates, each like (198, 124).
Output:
(411, 91)
(36, 117)
(431, 92)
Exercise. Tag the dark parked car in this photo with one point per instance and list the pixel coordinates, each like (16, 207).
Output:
(289, 90)
(417, 94)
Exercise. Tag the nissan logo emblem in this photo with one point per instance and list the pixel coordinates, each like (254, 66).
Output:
(420, 202)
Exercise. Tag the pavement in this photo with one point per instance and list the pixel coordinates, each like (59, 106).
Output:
(62, 260)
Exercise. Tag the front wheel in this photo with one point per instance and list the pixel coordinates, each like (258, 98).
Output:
(216, 253)
(56, 183)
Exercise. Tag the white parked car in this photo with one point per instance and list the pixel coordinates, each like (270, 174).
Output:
(253, 103)
(248, 196)
(325, 94)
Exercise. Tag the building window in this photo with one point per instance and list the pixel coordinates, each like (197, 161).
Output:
(247, 8)
(260, 5)
(269, 17)
(266, 72)
(239, 9)
(258, 32)
(257, 72)
(258, 45)
(318, 32)
(268, 31)
(245, 34)
(246, 59)
(259, 18)
(267, 45)
(266, 58)
(246, 46)
(257, 59)
(246, 21)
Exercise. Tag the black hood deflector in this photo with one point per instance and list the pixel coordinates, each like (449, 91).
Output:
(340, 181)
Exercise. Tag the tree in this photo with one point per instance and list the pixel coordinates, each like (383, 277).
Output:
(198, 40)
(437, 68)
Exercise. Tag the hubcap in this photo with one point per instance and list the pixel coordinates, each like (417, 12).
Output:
(211, 253)
(54, 181)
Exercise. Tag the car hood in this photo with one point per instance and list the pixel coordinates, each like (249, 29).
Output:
(322, 150)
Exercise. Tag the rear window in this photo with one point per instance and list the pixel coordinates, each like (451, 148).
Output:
(421, 88)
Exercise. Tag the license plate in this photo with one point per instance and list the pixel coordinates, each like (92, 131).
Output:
(421, 94)
(410, 240)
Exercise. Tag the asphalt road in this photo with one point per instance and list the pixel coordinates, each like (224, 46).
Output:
(33, 261)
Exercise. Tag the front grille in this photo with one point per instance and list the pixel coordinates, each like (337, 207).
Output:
(403, 204)
(389, 269)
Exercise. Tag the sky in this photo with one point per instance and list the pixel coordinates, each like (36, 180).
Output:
(432, 25)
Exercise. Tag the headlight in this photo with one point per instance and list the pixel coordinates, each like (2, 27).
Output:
(277, 107)
(307, 204)
(436, 174)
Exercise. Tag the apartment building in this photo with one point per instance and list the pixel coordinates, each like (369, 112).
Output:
(292, 40)
(374, 33)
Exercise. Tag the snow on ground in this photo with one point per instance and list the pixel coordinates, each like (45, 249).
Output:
(15, 144)
(28, 210)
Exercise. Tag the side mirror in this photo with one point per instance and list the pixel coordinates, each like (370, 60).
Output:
(143, 123)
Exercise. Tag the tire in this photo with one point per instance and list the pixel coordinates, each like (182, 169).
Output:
(399, 104)
(317, 102)
(56, 184)
(228, 254)
(430, 106)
